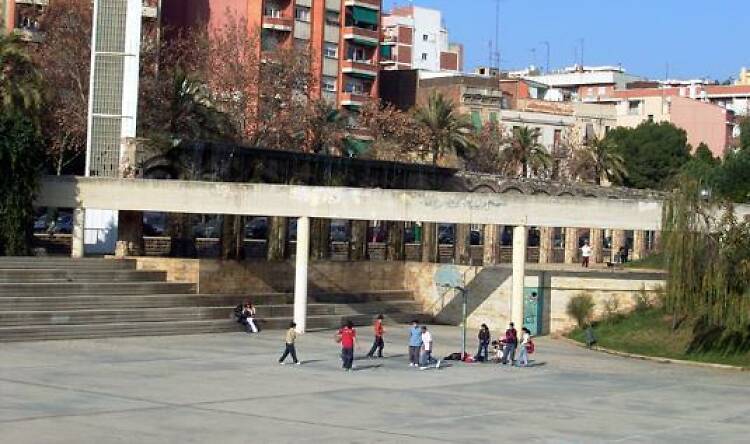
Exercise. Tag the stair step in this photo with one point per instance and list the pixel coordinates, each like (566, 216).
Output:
(66, 263)
(9, 275)
(64, 289)
(81, 317)
(59, 332)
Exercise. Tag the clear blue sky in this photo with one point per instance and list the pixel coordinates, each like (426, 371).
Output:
(697, 38)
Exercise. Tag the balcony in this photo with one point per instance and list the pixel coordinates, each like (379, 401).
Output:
(29, 35)
(33, 2)
(370, 4)
(361, 36)
(359, 68)
(150, 9)
(274, 20)
(354, 98)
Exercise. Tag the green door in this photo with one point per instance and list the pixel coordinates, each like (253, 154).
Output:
(532, 309)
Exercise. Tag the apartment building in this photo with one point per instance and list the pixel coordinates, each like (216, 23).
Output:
(23, 17)
(416, 38)
(585, 83)
(703, 122)
(744, 77)
(342, 37)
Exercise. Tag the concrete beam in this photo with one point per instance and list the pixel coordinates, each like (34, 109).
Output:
(348, 203)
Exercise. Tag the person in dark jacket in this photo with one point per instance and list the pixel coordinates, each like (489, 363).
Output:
(510, 342)
(483, 353)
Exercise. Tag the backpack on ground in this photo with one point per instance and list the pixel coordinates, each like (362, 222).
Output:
(530, 347)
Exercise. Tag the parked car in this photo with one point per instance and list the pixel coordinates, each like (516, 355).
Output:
(62, 225)
(41, 223)
(257, 228)
(339, 232)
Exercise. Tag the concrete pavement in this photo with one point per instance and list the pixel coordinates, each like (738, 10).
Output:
(228, 388)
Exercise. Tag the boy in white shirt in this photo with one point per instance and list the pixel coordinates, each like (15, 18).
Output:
(427, 349)
(586, 252)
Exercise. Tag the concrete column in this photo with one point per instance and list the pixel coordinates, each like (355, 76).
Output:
(520, 234)
(358, 242)
(395, 247)
(300, 273)
(79, 217)
(129, 233)
(546, 245)
(320, 241)
(491, 242)
(618, 241)
(639, 244)
(571, 245)
(276, 238)
(596, 241)
(462, 244)
(429, 242)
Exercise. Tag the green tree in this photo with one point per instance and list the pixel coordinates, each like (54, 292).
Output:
(745, 133)
(654, 153)
(447, 131)
(20, 82)
(599, 160)
(488, 158)
(731, 180)
(523, 153)
(702, 166)
(20, 159)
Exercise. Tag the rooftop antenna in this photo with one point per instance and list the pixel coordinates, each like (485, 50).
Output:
(495, 51)
(546, 44)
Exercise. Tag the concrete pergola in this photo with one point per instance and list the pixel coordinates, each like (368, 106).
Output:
(305, 202)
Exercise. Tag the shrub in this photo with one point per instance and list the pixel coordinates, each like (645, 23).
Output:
(642, 300)
(611, 308)
(581, 308)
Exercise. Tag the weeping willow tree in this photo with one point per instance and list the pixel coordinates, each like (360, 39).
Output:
(707, 251)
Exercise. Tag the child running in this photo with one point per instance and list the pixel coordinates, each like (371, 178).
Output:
(378, 343)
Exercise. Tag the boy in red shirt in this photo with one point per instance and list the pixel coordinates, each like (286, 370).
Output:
(348, 339)
(378, 344)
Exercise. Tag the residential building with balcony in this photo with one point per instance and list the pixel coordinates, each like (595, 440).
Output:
(341, 36)
(416, 38)
(24, 18)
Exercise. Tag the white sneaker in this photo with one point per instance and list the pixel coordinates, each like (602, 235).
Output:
(282, 363)
(438, 363)
(298, 363)
(423, 368)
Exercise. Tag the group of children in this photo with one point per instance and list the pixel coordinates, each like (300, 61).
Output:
(507, 346)
(420, 344)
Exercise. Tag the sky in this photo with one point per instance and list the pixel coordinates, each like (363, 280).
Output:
(694, 38)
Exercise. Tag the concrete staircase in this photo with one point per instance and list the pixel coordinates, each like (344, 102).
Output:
(60, 298)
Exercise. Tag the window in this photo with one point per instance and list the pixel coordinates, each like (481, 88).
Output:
(602, 90)
(476, 118)
(493, 117)
(590, 92)
(330, 50)
(329, 84)
(424, 56)
(634, 107)
(425, 37)
(650, 117)
(272, 10)
(302, 13)
(358, 54)
(333, 18)
(356, 86)
(557, 138)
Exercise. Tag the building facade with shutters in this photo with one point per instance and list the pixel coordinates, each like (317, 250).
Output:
(342, 37)
(416, 38)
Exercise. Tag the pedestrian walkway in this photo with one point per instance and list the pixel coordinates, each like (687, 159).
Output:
(230, 388)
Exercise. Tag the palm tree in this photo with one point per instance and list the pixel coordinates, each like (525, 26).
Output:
(447, 131)
(524, 152)
(598, 159)
(20, 81)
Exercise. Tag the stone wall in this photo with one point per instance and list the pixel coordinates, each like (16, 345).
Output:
(489, 292)
(229, 277)
(489, 287)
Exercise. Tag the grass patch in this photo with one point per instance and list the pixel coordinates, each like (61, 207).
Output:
(653, 262)
(649, 332)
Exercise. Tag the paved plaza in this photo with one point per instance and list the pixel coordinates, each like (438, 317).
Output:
(229, 388)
